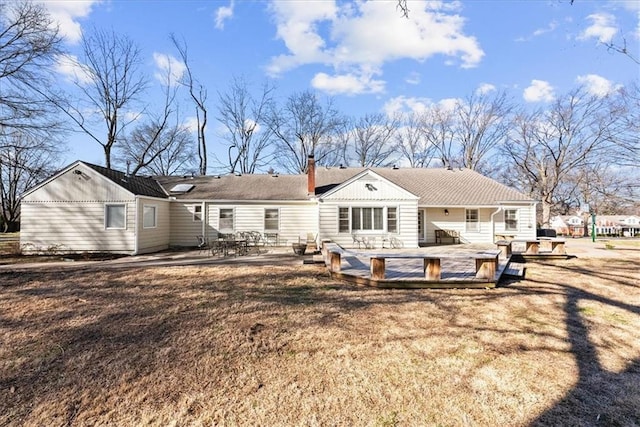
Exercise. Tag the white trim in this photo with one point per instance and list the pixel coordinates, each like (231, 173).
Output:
(360, 175)
(107, 204)
(155, 216)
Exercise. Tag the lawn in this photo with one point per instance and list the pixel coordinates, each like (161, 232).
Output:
(250, 345)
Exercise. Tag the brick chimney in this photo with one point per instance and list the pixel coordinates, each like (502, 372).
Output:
(311, 175)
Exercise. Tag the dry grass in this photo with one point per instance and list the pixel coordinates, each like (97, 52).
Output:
(248, 345)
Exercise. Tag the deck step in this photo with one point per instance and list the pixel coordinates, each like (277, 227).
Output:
(515, 269)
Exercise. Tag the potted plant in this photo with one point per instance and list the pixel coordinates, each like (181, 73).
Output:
(299, 248)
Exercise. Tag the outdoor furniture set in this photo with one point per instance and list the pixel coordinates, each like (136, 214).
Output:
(239, 243)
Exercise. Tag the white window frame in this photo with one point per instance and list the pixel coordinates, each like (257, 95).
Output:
(472, 226)
(277, 210)
(517, 219)
(233, 220)
(155, 216)
(383, 219)
(197, 216)
(106, 216)
(396, 219)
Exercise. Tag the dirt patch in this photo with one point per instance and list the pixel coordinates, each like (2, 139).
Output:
(253, 345)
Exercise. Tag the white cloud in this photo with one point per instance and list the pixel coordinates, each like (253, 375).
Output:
(403, 104)
(362, 36)
(603, 27)
(539, 91)
(597, 85)
(223, 13)
(349, 84)
(191, 123)
(539, 32)
(69, 67)
(485, 88)
(413, 78)
(168, 64)
(67, 15)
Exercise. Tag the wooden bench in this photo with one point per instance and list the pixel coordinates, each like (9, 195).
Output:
(447, 234)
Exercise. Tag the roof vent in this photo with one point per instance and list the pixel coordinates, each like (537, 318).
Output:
(216, 177)
(342, 166)
(395, 167)
(238, 173)
(275, 175)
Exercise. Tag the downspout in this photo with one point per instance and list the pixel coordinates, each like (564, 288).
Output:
(135, 226)
(204, 219)
(493, 224)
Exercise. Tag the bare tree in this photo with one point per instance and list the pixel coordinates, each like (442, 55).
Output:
(23, 163)
(373, 136)
(198, 94)
(29, 45)
(303, 127)
(437, 126)
(144, 149)
(482, 122)
(111, 85)
(246, 130)
(547, 148)
(412, 143)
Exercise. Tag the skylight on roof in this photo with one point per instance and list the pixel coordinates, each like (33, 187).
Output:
(181, 188)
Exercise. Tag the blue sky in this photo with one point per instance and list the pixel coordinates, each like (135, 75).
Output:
(364, 54)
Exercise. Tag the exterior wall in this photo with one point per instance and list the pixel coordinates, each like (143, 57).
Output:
(435, 218)
(526, 222)
(184, 230)
(74, 227)
(295, 220)
(67, 214)
(370, 190)
(157, 238)
(407, 222)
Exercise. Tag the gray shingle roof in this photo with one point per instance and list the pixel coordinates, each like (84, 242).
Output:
(244, 187)
(434, 186)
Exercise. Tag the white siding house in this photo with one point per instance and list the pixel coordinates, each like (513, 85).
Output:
(87, 207)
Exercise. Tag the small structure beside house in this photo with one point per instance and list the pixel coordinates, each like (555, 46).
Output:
(88, 208)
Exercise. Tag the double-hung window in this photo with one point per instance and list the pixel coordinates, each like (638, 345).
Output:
(115, 216)
(511, 220)
(149, 218)
(271, 219)
(225, 223)
(197, 213)
(472, 220)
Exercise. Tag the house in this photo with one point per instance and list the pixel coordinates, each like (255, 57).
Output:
(86, 207)
(617, 225)
(568, 225)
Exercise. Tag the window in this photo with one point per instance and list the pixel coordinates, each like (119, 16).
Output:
(392, 220)
(511, 220)
(271, 219)
(367, 219)
(226, 220)
(343, 220)
(115, 216)
(197, 213)
(472, 220)
(148, 216)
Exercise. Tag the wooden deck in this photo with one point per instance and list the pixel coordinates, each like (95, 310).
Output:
(458, 267)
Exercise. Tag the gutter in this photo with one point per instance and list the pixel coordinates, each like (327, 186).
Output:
(493, 223)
